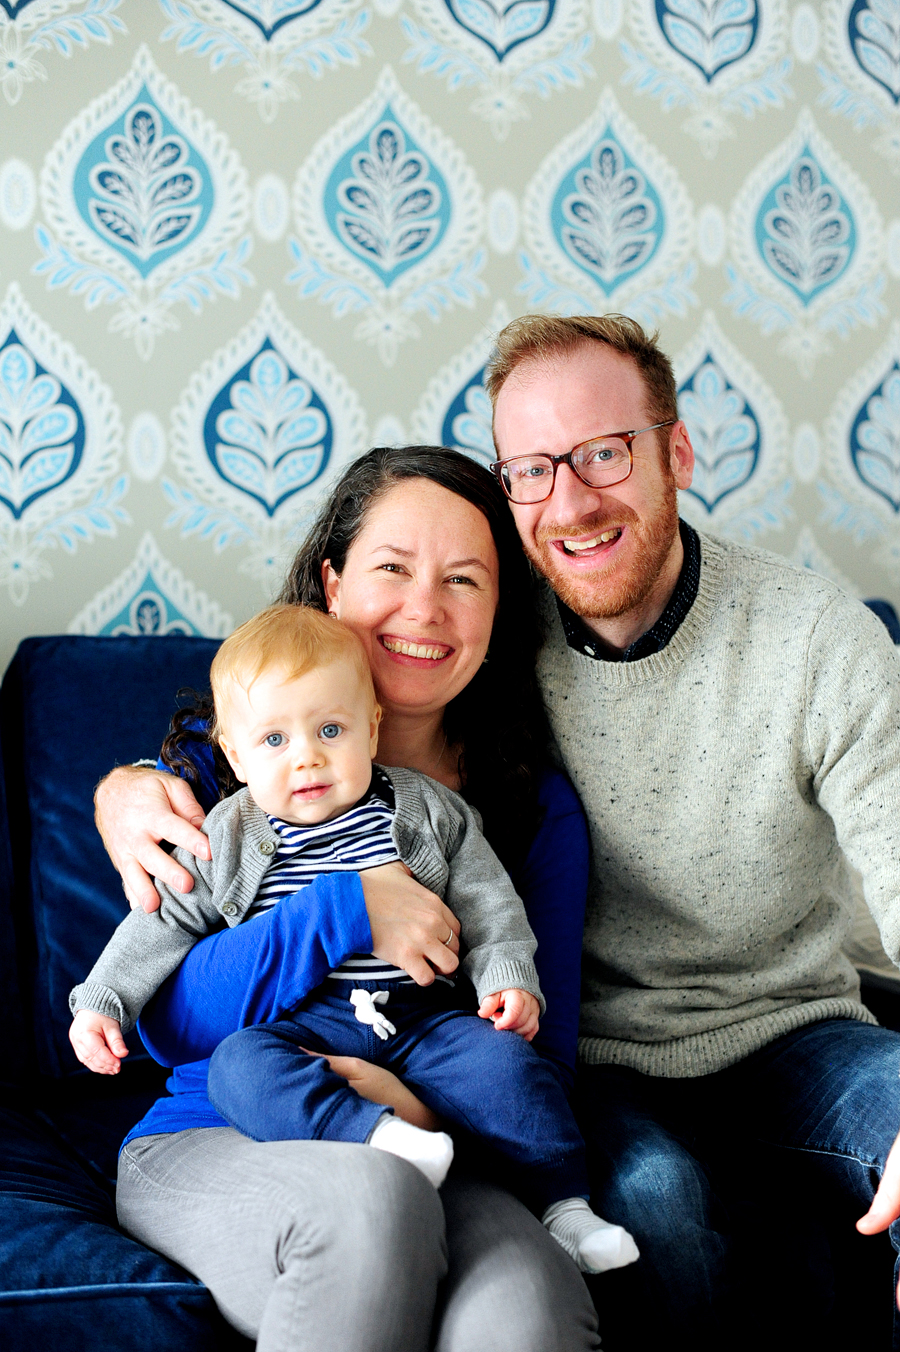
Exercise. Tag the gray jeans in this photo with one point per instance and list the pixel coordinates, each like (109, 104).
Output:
(314, 1246)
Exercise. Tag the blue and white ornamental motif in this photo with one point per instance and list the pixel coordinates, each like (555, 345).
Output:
(608, 224)
(455, 409)
(715, 59)
(254, 435)
(862, 78)
(806, 243)
(152, 598)
(270, 39)
(29, 27)
(862, 439)
(267, 432)
(738, 430)
(145, 204)
(505, 49)
(389, 217)
(60, 447)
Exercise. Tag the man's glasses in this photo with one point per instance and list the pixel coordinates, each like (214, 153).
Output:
(599, 463)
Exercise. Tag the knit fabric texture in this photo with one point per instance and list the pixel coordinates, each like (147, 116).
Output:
(727, 779)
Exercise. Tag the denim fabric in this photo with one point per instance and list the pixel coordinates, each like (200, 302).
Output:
(723, 1178)
(491, 1084)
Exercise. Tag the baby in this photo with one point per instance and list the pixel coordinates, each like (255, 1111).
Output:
(297, 718)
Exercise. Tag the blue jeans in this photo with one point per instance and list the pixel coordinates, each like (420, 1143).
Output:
(491, 1084)
(695, 1168)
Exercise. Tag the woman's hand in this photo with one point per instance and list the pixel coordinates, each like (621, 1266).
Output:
(514, 1011)
(380, 1086)
(411, 927)
(136, 808)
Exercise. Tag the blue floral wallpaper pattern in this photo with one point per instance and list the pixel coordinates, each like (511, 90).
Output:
(244, 239)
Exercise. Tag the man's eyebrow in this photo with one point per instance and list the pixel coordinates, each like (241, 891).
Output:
(410, 554)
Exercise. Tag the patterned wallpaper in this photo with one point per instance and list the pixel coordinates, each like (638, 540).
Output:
(242, 240)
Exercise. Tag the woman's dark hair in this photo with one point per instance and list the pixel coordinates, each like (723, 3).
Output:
(499, 718)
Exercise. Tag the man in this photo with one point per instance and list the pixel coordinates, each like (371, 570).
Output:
(731, 725)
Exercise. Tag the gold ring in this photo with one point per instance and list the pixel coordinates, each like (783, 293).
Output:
(449, 939)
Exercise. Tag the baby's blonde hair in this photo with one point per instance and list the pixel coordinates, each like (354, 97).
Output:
(294, 639)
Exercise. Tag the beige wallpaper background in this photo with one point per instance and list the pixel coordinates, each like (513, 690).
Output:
(241, 242)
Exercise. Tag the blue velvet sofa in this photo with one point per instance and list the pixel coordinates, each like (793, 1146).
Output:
(70, 1280)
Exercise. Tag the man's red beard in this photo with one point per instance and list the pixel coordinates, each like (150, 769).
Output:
(609, 591)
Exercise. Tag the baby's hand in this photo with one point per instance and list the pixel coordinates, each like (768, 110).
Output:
(516, 1011)
(98, 1042)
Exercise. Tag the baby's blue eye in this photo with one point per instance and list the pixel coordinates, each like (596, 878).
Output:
(330, 731)
(275, 739)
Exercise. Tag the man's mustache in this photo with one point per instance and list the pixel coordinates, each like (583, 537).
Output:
(592, 525)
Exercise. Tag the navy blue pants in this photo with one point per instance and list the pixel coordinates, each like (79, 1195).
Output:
(739, 1182)
(491, 1084)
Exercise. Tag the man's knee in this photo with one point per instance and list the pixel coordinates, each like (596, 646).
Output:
(652, 1187)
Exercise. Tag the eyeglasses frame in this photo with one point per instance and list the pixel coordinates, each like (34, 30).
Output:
(496, 467)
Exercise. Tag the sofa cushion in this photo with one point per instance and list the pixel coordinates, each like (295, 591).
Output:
(69, 1279)
(72, 707)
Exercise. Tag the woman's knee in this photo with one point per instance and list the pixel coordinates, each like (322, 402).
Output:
(510, 1287)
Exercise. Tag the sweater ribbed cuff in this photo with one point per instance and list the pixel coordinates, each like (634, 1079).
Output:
(506, 976)
(100, 1000)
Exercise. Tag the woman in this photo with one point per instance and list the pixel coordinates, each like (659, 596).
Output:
(417, 553)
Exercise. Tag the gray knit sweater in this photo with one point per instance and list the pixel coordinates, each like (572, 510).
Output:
(726, 779)
(437, 836)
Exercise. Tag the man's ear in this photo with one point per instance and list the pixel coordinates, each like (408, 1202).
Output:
(681, 455)
(231, 757)
(332, 584)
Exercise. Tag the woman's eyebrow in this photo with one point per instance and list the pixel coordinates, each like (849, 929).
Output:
(410, 554)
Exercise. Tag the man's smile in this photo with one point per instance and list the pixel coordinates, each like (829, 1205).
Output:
(584, 543)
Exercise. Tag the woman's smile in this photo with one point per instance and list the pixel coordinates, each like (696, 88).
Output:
(417, 649)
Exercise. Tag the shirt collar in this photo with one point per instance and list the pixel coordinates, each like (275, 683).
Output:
(584, 640)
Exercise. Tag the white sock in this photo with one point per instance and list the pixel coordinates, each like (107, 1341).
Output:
(595, 1245)
(430, 1151)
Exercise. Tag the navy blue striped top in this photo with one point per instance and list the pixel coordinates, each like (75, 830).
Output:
(356, 840)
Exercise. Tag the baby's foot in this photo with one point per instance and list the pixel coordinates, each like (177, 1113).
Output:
(430, 1151)
(595, 1245)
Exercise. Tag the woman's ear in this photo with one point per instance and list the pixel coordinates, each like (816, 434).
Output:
(332, 584)
(231, 757)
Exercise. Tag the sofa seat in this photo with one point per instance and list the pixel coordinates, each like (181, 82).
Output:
(69, 1278)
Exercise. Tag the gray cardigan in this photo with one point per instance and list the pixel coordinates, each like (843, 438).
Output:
(437, 836)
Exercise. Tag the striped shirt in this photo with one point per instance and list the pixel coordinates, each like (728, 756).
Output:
(358, 839)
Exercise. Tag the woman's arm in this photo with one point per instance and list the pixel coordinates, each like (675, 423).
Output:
(256, 971)
(262, 969)
(552, 882)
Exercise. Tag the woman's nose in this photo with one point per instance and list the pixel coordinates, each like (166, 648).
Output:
(423, 604)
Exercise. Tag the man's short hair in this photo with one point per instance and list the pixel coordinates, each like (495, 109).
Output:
(542, 337)
(293, 639)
